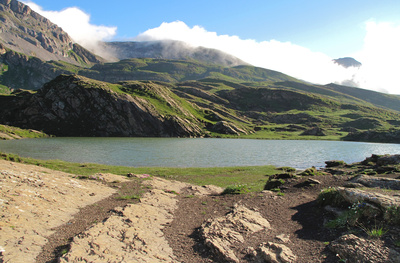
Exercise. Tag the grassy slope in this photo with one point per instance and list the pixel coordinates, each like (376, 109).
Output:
(9, 132)
(179, 70)
(250, 97)
(268, 110)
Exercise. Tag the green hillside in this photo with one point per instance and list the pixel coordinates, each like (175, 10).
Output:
(210, 100)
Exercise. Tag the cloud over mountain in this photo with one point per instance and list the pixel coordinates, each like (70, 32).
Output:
(379, 55)
(286, 57)
(77, 24)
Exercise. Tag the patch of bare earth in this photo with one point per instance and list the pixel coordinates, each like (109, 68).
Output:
(295, 215)
(49, 216)
(41, 210)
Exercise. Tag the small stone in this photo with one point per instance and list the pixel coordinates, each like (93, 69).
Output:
(283, 238)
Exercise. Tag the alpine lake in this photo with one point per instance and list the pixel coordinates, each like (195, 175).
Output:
(195, 152)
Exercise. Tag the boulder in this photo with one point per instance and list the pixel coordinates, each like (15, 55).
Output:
(274, 253)
(359, 196)
(308, 182)
(222, 233)
(334, 163)
(388, 160)
(355, 249)
(377, 182)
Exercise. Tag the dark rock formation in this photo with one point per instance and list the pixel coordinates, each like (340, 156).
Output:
(334, 163)
(227, 128)
(316, 131)
(299, 118)
(77, 106)
(389, 136)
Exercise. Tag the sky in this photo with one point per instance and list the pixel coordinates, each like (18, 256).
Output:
(297, 37)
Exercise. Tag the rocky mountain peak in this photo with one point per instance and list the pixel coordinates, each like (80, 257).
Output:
(25, 31)
(348, 62)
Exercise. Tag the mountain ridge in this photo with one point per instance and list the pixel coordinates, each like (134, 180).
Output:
(170, 49)
(25, 31)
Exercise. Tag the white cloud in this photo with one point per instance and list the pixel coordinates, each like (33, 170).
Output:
(285, 57)
(379, 55)
(77, 24)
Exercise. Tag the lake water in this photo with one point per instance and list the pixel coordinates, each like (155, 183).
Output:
(199, 152)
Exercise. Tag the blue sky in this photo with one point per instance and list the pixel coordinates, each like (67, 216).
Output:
(319, 30)
(335, 28)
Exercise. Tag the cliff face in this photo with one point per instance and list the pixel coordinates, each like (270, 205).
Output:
(25, 72)
(77, 106)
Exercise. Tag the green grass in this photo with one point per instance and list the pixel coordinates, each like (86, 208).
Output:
(374, 231)
(15, 132)
(236, 189)
(128, 197)
(254, 177)
(4, 90)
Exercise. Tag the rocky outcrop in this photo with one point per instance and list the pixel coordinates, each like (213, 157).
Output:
(77, 106)
(299, 118)
(388, 136)
(355, 249)
(372, 204)
(354, 196)
(316, 131)
(377, 182)
(225, 127)
(274, 253)
(221, 234)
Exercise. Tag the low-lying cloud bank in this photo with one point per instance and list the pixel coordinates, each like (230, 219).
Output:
(379, 55)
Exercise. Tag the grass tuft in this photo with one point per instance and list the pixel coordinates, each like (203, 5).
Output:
(236, 189)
